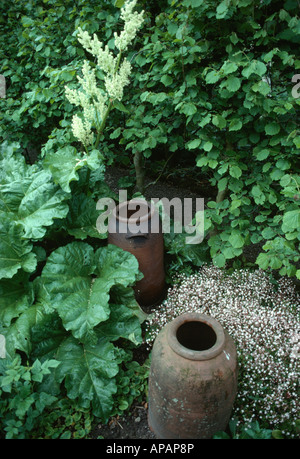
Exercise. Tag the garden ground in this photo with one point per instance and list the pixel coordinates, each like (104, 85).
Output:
(134, 424)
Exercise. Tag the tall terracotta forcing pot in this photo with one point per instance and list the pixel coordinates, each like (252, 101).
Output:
(193, 378)
(135, 226)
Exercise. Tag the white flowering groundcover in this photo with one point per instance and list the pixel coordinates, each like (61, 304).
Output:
(263, 319)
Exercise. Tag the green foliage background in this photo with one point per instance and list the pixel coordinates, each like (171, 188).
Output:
(211, 89)
(212, 86)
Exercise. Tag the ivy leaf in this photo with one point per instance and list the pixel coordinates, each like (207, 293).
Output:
(283, 164)
(232, 83)
(207, 146)
(219, 121)
(256, 67)
(167, 80)
(119, 3)
(229, 67)
(15, 251)
(262, 87)
(268, 233)
(222, 183)
(88, 372)
(235, 171)
(263, 154)
(121, 107)
(188, 109)
(258, 195)
(235, 125)
(219, 260)
(193, 144)
(222, 10)
(212, 77)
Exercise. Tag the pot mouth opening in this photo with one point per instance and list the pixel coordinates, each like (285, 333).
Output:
(196, 336)
(134, 211)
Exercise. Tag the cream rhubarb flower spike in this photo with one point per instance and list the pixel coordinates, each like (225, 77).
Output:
(95, 102)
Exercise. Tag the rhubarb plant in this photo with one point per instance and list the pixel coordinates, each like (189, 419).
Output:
(66, 296)
(99, 90)
(82, 301)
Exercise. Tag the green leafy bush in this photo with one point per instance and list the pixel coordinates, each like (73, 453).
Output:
(211, 89)
(39, 56)
(214, 85)
(29, 411)
(252, 431)
(82, 301)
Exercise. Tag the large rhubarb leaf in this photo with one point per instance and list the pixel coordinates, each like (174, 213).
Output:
(15, 252)
(43, 202)
(18, 335)
(89, 373)
(80, 298)
(82, 218)
(12, 164)
(125, 296)
(34, 202)
(116, 265)
(65, 163)
(122, 323)
(16, 296)
(47, 335)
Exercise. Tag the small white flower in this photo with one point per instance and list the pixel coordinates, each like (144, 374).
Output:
(82, 131)
(133, 21)
(264, 324)
(115, 84)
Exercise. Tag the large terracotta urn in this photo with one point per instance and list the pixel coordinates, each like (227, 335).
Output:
(135, 226)
(193, 378)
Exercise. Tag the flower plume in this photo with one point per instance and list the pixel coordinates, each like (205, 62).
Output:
(94, 101)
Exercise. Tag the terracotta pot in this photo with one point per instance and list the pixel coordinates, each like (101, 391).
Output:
(193, 378)
(135, 226)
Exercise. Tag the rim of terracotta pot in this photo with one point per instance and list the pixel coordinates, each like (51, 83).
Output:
(192, 354)
(122, 205)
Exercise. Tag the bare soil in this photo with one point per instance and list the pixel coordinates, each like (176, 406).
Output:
(133, 425)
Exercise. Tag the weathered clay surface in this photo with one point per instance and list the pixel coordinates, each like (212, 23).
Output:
(146, 245)
(191, 395)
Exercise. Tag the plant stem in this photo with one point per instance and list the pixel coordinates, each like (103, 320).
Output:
(87, 180)
(139, 171)
(110, 104)
(155, 181)
(102, 125)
